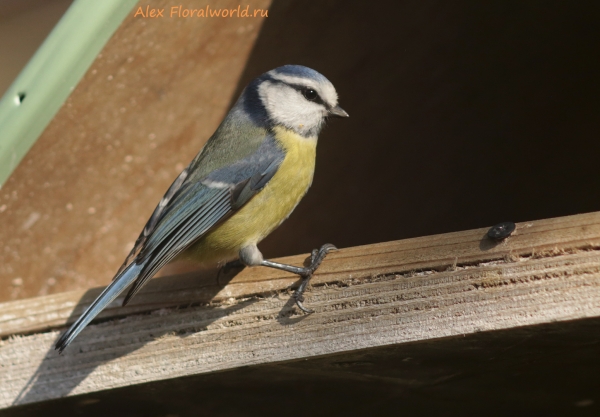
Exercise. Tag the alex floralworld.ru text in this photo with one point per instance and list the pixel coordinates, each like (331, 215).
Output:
(179, 11)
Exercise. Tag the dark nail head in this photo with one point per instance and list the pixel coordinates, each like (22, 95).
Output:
(501, 230)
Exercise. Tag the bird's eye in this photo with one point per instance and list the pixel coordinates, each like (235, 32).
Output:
(309, 94)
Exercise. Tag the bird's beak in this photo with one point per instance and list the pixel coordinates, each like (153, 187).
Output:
(337, 111)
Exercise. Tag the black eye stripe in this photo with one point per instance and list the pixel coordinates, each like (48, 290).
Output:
(309, 93)
(300, 89)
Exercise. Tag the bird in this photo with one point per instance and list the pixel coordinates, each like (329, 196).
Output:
(247, 179)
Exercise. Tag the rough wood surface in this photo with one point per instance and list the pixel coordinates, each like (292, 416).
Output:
(377, 295)
(424, 253)
(540, 370)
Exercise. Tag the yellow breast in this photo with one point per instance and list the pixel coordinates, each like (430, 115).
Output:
(266, 210)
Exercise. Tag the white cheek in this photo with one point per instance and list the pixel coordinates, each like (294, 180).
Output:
(287, 107)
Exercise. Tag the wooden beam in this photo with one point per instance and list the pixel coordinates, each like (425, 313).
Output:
(364, 297)
(542, 370)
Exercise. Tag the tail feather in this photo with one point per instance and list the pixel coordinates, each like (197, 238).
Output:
(125, 278)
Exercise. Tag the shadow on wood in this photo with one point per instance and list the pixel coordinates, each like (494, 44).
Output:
(199, 288)
(548, 369)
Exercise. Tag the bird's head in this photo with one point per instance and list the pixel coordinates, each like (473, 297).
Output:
(293, 96)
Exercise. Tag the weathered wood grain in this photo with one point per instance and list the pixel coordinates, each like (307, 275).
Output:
(431, 252)
(377, 295)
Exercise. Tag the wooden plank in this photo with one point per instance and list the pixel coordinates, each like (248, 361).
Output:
(423, 253)
(541, 370)
(377, 295)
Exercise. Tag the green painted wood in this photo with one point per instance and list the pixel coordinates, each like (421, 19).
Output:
(52, 73)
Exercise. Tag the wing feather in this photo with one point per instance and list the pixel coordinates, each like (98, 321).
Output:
(200, 214)
(157, 214)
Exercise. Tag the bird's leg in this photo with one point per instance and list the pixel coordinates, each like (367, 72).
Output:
(306, 272)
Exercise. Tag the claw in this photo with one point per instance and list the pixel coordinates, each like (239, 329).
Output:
(301, 306)
(316, 257)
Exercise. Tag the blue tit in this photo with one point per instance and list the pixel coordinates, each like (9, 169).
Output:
(245, 182)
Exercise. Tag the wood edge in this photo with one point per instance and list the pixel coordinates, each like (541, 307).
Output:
(40, 314)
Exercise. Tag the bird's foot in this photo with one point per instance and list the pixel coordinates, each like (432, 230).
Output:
(306, 272)
(316, 257)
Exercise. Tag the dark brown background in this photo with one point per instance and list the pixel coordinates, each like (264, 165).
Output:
(463, 114)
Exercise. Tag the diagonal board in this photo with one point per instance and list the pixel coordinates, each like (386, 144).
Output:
(389, 293)
(430, 252)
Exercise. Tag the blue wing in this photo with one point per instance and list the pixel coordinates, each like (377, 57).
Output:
(188, 210)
